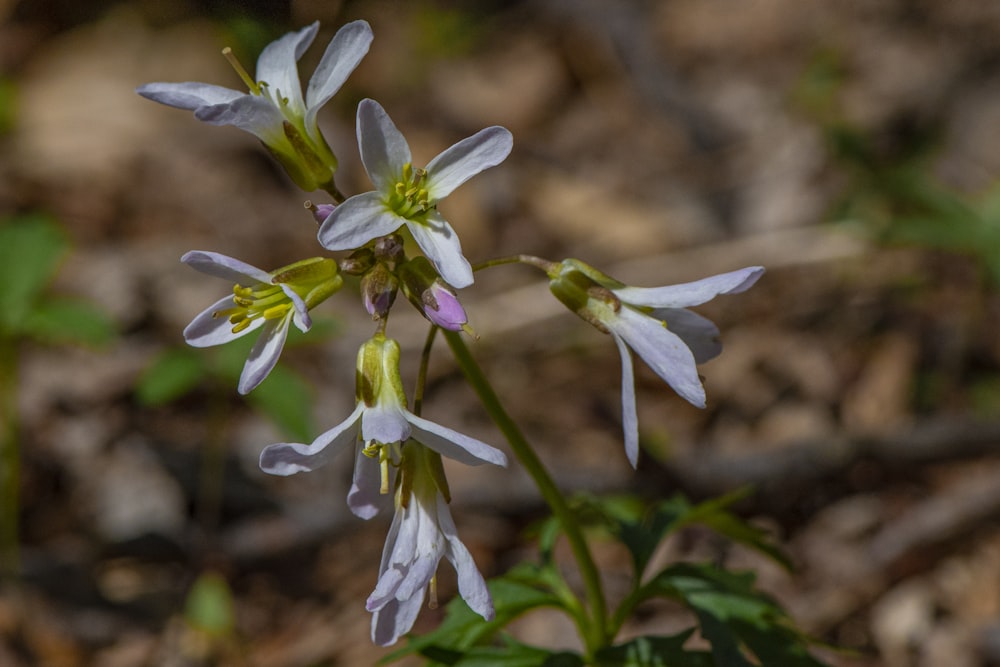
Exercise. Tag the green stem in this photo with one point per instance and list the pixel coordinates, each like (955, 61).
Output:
(537, 262)
(10, 461)
(596, 635)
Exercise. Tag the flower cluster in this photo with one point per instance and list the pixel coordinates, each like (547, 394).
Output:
(397, 453)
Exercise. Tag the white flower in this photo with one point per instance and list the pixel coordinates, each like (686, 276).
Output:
(377, 429)
(422, 533)
(259, 300)
(274, 110)
(654, 322)
(408, 196)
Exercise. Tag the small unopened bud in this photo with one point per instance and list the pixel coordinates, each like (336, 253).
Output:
(358, 262)
(389, 248)
(378, 291)
(427, 292)
(320, 212)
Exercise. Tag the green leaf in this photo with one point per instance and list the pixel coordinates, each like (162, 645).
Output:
(66, 320)
(286, 398)
(30, 250)
(515, 654)
(654, 651)
(209, 606)
(171, 375)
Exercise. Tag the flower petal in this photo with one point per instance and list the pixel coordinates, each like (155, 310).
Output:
(357, 221)
(223, 266)
(383, 148)
(253, 114)
(457, 164)
(453, 444)
(264, 354)
(441, 245)
(364, 498)
(471, 585)
(630, 418)
(289, 458)
(699, 333)
(384, 423)
(395, 619)
(188, 95)
(693, 293)
(300, 313)
(341, 57)
(662, 350)
(277, 65)
(206, 330)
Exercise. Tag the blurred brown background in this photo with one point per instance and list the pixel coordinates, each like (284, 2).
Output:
(853, 148)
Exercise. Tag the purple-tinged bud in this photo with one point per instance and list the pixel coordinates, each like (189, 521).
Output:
(358, 262)
(423, 286)
(378, 291)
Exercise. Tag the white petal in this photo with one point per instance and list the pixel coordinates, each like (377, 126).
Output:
(395, 619)
(357, 221)
(630, 418)
(441, 245)
(264, 354)
(289, 458)
(699, 333)
(206, 330)
(384, 150)
(471, 585)
(253, 114)
(457, 164)
(453, 444)
(693, 293)
(223, 266)
(341, 57)
(365, 495)
(384, 424)
(189, 95)
(277, 65)
(663, 351)
(300, 312)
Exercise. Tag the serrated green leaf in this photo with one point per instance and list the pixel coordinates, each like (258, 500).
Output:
(30, 250)
(66, 320)
(171, 375)
(654, 651)
(287, 399)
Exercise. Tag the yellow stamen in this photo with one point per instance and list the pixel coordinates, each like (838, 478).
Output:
(384, 466)
(247, 79)
(432, 601)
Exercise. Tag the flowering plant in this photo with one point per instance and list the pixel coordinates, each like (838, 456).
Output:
(398, 453)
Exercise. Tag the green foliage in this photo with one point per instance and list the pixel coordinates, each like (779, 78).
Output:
(209, 606)
(8, 105)
(31, 248)
(654, 652)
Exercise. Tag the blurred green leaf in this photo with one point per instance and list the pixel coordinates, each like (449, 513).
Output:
(171, 375)
(65, 320)
(287, 398)
(8, 105)
(654, 652)
(209, 606)
(30, 250)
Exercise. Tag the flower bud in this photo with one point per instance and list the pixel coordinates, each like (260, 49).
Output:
(576, 285)
(378, 291)
(378, 371)
(427, 292)
(320, 212)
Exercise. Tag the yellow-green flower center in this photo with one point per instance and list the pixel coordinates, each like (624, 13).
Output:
(251, 303)
(409, 197)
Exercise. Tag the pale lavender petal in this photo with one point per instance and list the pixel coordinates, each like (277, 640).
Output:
(630, 417)
(395, 619)
(384, 424)
(341, 57)
(188, 95)
(662, 350)
(384, 150)
(699, 333)
(693, 293)
(206, 330)
(289, 458)
(300, 313)
(471, 585)
(364, 498)
(357, 221)
(449, 313)
(453, 444)
(441, 245)
(223, 266)
(264, 354)
(277, 65)
(457, 164)
(253, 114)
